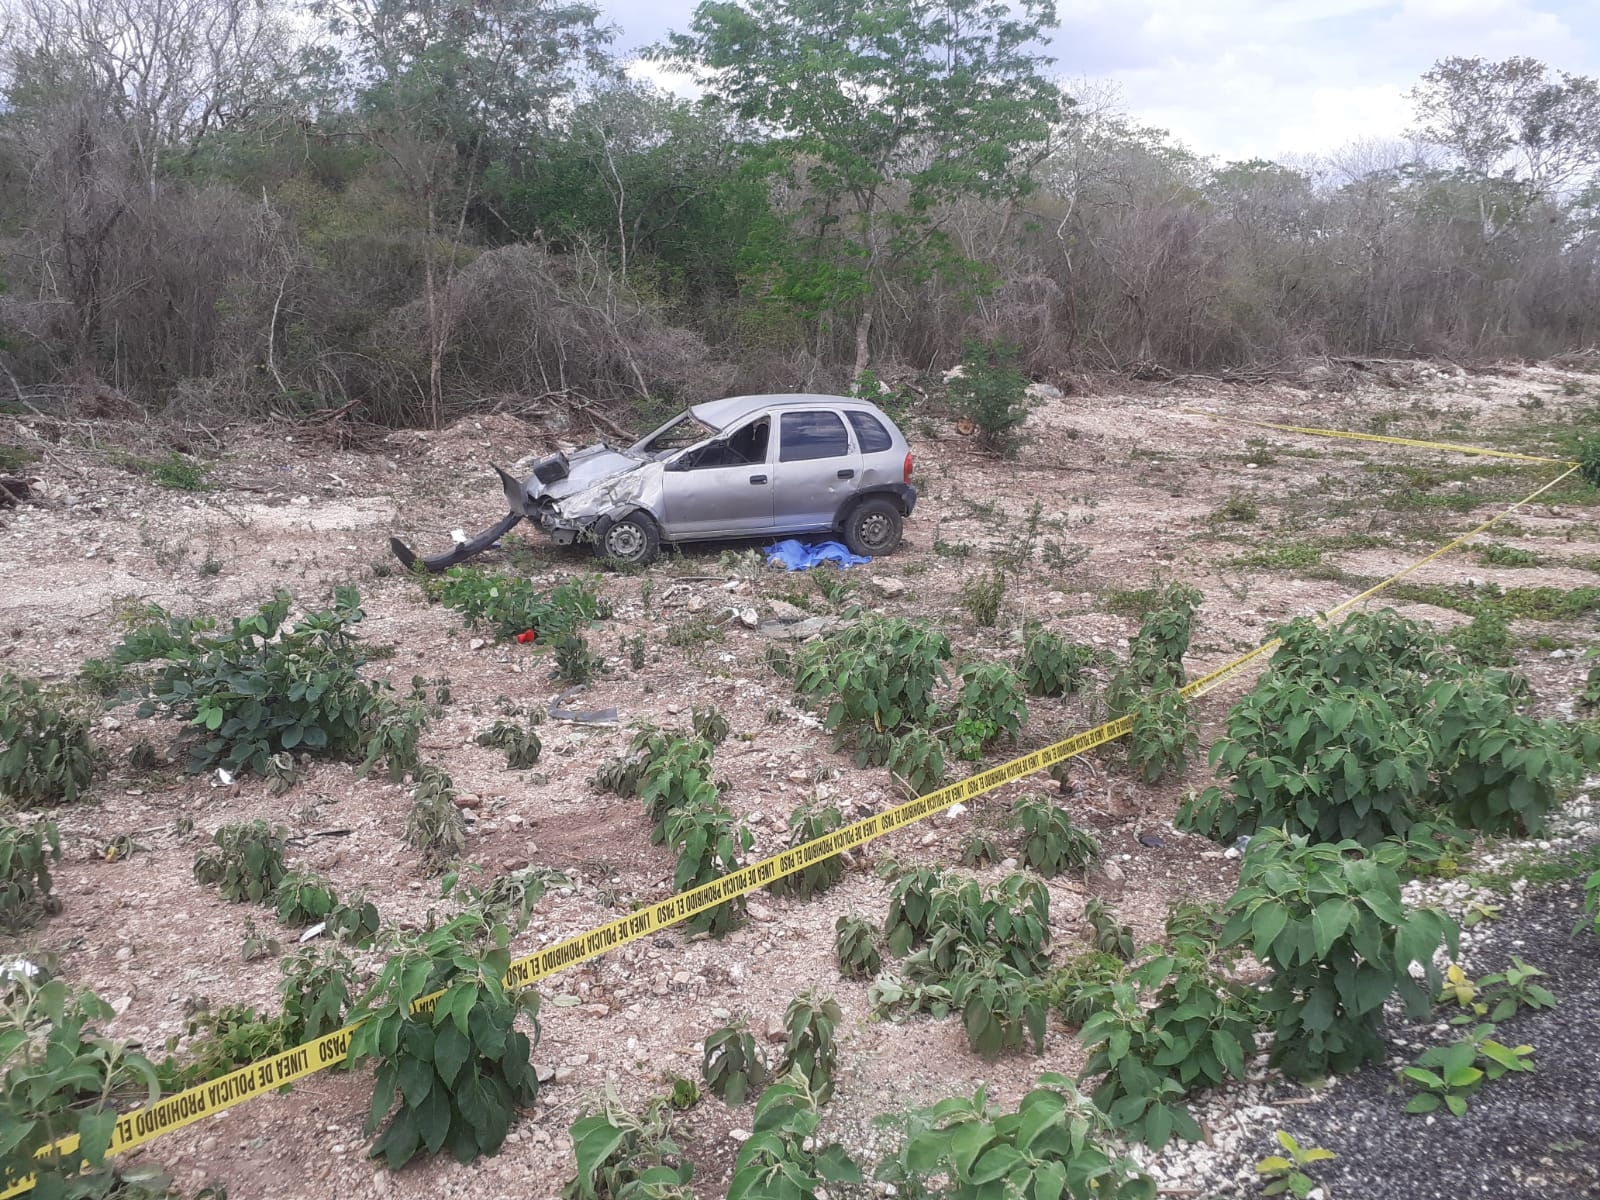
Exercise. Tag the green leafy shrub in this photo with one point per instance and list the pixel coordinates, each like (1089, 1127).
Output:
(46, 755)
(262, 686)
(304, 898)
(1054, 1145)
(435, 825)
(1485, 640)
(811, 1053)
(1110, 936)
(1362, 730)
(354, 921)
(878, 675)
(26, 852)
(1011, 921)
(1051, 844)
(992, 392)
(1198, 1033)
(676, 776)
(982, 595)
(575, 662)
(520, 742)
(247, 863)
(61, 1077)
(809, 821)
(732, 1063)
(708, 840)
(917, 758)
(1051, 665)
(621, 1156)
(1450, 1074)
(782, 1158)
(1165, 632)
(459, 1069)
(1287, 1175)
(316, 990)
(1082, 986)
(991, 703)
(509, 604)
(394, 733)
(509, 899)
(221, 1041)
(1164, 735)
(910, 917)
(855, 946)
(980, 850)
(710, 725)
(1327, 920)
(1000, 1006)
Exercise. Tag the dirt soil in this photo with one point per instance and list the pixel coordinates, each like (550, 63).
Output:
(1133, 489)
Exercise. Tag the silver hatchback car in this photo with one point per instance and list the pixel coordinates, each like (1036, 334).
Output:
(744, 467)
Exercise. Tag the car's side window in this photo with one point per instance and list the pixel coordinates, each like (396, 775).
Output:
(870, 433)
(809, 435)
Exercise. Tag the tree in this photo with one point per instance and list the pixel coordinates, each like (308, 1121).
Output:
(889, 108)
(441, 86)
(1511, 119)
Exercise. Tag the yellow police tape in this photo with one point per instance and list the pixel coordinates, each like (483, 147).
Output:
(1380, 437)
(184, 1108)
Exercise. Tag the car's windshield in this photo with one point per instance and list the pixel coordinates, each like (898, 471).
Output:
(682, 431)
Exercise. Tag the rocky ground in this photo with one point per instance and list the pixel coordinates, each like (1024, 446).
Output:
(1133, 490)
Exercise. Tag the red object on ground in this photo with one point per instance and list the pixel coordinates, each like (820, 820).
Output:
(526, 636)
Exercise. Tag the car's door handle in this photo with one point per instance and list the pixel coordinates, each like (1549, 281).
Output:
(847, 473)
(758, 479)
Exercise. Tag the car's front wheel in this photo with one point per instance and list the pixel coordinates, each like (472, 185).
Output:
(873, 527)
(635, 540)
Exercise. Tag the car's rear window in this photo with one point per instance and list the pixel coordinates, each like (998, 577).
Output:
(808, 435)
(870, 432)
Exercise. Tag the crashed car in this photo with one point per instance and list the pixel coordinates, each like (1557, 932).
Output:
(744, 467)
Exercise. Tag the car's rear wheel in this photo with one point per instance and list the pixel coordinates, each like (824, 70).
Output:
(635, 540)
(873, 527)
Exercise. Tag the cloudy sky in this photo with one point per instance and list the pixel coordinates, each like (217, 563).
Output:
(1268, 78)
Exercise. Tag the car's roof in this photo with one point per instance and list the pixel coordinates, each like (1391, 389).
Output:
(719, 414)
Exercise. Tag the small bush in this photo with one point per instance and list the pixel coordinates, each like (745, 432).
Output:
(982, 594)
(46, 756)
(876, 677)
(316, 990)
(783, 1159)
(1050, 842)
(1164, 735)
(1328, 922)
(917, 757)
(61, 1077)
(1051, 665)
(247, 863)
(991, 704)
(709, 841)
(520, 742)
(732, 1063)
(435, 825)
(1055, 1144)
(808, 822)
(459, 1069)
(261, 688)
(854, 945)
(1000, 1006)
(304, 898)
(508, 605)
(26, 852)
(992, 392)
(625, 1157)
(710, 725)
(811, 1051)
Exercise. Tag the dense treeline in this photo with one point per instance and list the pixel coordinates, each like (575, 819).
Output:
(415, 207)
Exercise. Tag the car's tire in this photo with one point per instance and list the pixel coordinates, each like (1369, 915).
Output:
(634, 539)
(873, 527)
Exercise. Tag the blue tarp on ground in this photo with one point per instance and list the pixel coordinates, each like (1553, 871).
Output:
(797, 556)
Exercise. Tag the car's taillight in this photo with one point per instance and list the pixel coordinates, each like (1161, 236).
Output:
(906, 478)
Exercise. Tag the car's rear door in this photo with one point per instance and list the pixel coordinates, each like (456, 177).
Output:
(816, 469)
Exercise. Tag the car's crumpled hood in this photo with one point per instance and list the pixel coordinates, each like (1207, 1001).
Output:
(600, 482)
(585, 468)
